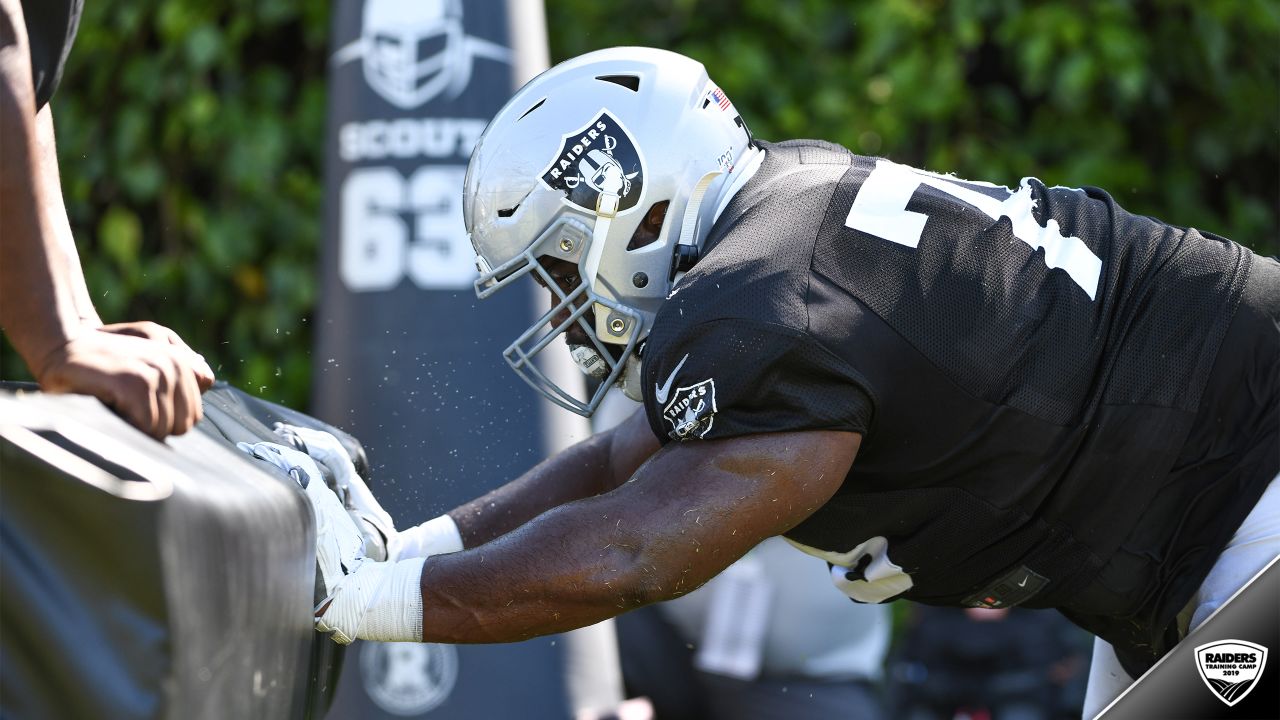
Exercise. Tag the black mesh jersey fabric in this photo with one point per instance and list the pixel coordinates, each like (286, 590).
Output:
(738, 321)
(1024, 366)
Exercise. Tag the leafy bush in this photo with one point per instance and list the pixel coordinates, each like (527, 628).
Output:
(190, 133)
(1170, 106)
(190, 144)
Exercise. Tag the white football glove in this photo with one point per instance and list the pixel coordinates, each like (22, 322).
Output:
(434, 537)
(379, 601)
(329, 451)
(339, 544)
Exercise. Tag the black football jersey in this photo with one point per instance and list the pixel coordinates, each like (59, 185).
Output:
(1024, 366)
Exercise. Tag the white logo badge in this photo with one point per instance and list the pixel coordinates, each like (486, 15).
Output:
(414, 50)
(1230, 667)
(691, 410)
(408, 678)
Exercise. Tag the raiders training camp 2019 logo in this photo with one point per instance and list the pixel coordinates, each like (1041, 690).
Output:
(691, 411)
(1230, 667)
(598, 167)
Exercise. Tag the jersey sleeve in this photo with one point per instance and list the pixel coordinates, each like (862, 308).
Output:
(729, 377)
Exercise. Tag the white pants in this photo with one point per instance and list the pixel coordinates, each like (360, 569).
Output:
(1251, 549)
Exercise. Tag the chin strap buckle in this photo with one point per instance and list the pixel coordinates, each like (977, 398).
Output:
(684, 257)
(607, 204)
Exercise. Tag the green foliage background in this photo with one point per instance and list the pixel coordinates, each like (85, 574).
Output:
(190, 131)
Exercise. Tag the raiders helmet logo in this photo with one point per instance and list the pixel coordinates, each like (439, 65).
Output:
(598, 167)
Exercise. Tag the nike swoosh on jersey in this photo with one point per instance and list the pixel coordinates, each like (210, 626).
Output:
(661, 391)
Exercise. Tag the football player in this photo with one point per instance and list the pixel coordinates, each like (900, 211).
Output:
(953, 392)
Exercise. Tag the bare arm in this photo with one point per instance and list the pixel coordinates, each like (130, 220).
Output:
(141, 369)
(688, 512)
(39, 296)
(54, 209)
(593, 466)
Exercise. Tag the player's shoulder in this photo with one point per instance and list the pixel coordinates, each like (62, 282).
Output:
(795, 170)
(741, 281)
(757, 255)
(809, 151)
(755, 267)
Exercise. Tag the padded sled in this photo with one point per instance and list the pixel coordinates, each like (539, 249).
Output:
(145, 579)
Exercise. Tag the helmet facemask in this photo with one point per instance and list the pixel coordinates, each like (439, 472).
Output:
(572, 308)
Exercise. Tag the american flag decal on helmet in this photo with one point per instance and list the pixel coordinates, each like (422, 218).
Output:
(719, 98)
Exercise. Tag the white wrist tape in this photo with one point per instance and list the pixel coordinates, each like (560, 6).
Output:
(433, 537)
(379, 601)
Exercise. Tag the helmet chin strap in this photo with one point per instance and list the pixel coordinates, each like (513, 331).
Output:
(606, 210)
(587, 359)
(689, 224)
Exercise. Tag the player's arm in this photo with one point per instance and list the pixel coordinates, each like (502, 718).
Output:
(685, 515)
(595, 465)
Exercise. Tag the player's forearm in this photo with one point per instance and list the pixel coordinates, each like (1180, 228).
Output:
(596, 465)
(575, 473)
(560, 572)
(576, 565)
(690, 511)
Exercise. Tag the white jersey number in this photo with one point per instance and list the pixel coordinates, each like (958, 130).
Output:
(378, 249)
(880, 209)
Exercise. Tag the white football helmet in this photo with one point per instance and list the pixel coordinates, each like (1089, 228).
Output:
(569, 169)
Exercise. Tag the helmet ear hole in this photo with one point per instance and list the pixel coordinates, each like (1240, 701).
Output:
(650, 227)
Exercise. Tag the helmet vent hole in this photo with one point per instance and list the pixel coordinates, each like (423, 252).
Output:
(650, 226)
(509, 211)
(630, 82)
(531, 109)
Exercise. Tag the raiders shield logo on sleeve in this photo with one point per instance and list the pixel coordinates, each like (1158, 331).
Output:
(691, 411)
(598, 166)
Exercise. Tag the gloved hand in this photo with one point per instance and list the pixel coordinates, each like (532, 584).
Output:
(339, 544)
(378, 601)
(328, 450)
(433, 537)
